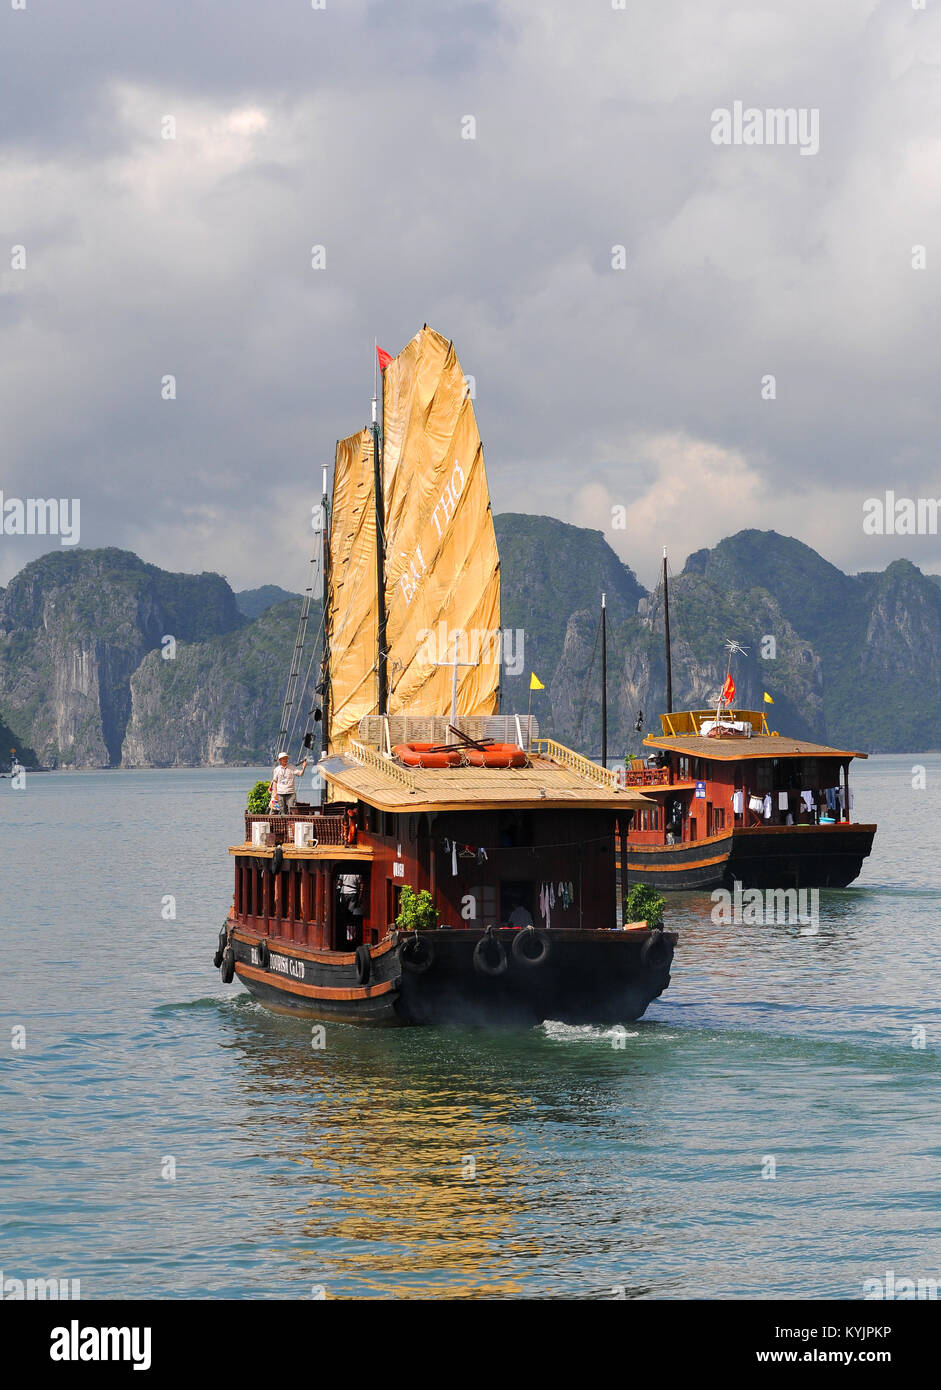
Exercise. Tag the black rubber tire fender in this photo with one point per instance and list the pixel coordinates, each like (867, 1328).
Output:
(657, 950)
(363, 963)
(220, 949)
(264, 955)
(416, 953)
(228, 965)
(487, 943)
(277, 859)
(525, 938)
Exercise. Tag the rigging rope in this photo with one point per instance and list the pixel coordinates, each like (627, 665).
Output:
(297, 656)
(591, 666)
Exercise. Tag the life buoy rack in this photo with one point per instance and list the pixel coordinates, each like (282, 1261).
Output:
(497, 755)
(427, 755)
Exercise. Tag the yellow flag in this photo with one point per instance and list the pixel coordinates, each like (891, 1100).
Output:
(534, 682)
(768, 699)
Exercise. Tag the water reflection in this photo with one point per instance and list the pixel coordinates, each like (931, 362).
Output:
(415, 1168)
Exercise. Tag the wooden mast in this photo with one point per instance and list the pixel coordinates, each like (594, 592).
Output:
(325, 655)
(382, 654)
(666, 633)
(604, 684)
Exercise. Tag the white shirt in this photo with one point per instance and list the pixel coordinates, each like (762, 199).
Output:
(283, 778)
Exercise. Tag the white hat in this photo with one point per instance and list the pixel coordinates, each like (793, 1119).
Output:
(283, 755)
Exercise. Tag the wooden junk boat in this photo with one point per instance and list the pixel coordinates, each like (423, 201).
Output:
(738, 803)
(518, 841)
(747, 806)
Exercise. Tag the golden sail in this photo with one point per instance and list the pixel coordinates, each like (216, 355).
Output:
(351, 623)
(441, 564)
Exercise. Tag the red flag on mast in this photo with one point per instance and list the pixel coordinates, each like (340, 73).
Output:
(728, 690)
(384, 358)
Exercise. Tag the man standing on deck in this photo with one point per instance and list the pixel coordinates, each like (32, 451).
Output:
(282, 782)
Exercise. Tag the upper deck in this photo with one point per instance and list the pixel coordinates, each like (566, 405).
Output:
(554, 777)
(737, 736)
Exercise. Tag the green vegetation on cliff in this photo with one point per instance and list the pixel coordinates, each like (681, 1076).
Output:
(849, 659)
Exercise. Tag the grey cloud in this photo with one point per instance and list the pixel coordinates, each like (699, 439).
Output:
(148, 257)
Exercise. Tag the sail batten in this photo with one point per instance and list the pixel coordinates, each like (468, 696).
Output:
(442, 583)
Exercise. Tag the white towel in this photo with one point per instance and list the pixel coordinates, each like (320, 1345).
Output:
(766, 809)
(782, 801)
(738, 803)
(808, 799)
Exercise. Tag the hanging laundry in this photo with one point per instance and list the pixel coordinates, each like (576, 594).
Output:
(481, 855)
(738, 803)
(766, 806)
(551, 895)
(454, 858)
(831, 795)
(808, 800)
(782, 801)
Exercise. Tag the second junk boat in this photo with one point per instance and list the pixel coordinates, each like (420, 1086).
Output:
(739, 803)
(458, 867)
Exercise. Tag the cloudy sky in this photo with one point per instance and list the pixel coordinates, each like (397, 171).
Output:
(597, 388)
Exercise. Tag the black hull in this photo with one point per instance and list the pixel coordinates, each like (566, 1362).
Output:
(599, 977)
(777, 856)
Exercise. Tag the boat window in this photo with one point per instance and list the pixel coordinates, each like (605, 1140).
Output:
(485, 905)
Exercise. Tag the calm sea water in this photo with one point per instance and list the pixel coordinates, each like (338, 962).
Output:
(599, 1170)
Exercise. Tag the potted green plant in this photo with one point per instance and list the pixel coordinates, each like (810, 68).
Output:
(644, 904)
(416, 910)
(259, 799)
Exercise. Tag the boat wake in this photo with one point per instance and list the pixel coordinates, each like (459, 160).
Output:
(581, 1032)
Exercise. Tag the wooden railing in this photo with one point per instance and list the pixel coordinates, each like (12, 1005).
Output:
(329, 829)
(643, 777)
(371, 758)
(575, 762)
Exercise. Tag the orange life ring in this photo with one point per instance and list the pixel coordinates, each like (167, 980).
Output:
(418, 755)
(497, 755)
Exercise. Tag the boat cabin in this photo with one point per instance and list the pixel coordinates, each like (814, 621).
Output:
(495, 847)
(714, 774)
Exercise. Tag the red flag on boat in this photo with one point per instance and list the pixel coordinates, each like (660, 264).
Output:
(728, 690)
(384, 358)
